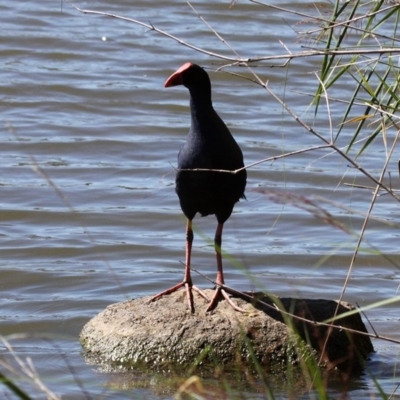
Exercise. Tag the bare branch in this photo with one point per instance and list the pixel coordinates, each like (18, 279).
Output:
(332, 145)
(273, 158)
(151, 27)
(242, 61)
(251, 298)
(328, 21)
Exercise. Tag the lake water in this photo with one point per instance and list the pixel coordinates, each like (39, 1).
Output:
(83, 103)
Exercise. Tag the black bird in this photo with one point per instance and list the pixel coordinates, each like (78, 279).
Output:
(209, 145)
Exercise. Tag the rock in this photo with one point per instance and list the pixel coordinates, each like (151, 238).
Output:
(164, 335)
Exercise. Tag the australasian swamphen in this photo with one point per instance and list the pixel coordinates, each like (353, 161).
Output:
(209, 145)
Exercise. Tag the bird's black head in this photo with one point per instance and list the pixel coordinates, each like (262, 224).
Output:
(191, 76)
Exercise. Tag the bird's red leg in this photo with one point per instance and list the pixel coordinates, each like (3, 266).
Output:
(187, 279)
(220, 274)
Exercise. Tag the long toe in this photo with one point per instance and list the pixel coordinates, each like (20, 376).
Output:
(188, 287)
(221, 294)
(201, 293)
(168, 291)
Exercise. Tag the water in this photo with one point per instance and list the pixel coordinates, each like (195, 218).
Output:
(82, 101)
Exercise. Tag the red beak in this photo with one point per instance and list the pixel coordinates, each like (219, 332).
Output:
(176, 78)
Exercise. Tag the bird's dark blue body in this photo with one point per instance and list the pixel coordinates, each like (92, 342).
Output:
(209, 145)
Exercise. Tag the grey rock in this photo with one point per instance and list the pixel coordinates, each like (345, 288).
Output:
(165, 335)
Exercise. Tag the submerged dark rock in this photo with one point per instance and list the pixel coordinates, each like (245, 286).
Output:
(165, 335)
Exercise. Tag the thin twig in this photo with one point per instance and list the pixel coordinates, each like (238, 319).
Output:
(252, 299)
(366, 220)
(366, 317)
(34, 164)
(244, 61)
(28, 370)
(151, 27)
(213, 30)
(328, 143)
(330, 22)
(273, 159)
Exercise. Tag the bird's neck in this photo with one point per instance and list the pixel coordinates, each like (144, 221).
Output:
(200, 97)
(201, 107)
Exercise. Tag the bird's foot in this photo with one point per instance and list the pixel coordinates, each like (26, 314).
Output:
(217, 297)
(189, 286)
